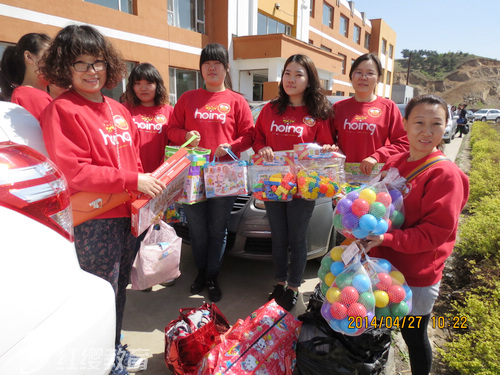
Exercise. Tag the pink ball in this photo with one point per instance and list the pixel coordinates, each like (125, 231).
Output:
(396, 293)
(349, 295)
(338, 310)
(356, 309)
(385, 281)
(360, 207)
(384, 198)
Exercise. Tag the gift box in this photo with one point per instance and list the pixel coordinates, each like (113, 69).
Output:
(275, 180)
(173, 173)
(194, 185)
(223, 179)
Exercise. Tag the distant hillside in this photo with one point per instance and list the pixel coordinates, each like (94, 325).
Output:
(457, 77)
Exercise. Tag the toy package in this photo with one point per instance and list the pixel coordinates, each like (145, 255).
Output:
(273, 181)
(353, 175)
(318, 174)
(194, 185)
(224, 179)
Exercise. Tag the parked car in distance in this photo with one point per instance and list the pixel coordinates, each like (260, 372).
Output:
(487, 115)
(469, 116)
(55, 317)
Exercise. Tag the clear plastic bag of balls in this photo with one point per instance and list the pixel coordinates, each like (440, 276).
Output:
(349, 305)
(331, 266)
(393, 296)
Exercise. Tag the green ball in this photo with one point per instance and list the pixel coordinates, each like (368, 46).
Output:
(337, 222)
(400, 309)
(377, 209)
(382, 312)
(367, 299)
(324, 288)
(326, 262)
(322, 273)
(344, 279)
(397, 219)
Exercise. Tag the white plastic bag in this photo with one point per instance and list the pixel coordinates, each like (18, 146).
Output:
(158, 258)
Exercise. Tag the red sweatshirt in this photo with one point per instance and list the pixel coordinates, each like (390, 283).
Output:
(368, 129)
(151, 123)
(295, 125)
(433, 202)
(94, 152)
(219, 117)
(34, 100)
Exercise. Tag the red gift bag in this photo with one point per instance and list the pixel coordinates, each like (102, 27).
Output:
(188, 339)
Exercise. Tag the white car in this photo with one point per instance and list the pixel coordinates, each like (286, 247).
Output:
(55, 318)
(487, 115)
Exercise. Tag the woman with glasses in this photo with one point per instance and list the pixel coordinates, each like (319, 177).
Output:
(368, 128)
(93, 140)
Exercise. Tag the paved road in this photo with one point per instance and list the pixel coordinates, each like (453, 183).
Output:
(245, 286)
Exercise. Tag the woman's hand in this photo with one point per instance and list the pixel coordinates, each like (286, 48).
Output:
(367, 165)
(267, 153)
(329, 148)
(221, 150)
(195, 142)
(372, 241)
(149, 185)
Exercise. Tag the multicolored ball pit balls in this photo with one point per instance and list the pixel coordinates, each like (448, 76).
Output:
(331, 266)
(367, 211)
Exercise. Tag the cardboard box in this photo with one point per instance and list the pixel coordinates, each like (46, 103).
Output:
(173, 173)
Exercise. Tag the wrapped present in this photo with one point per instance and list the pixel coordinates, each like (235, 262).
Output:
(319, 174)
(273, 181)
(224, 179)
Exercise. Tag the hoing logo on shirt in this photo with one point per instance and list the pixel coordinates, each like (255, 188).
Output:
(213, 112)
(112, 136)
(375, 112)
(287, 128)
(360, 124)
(309, 121)
(150, 123)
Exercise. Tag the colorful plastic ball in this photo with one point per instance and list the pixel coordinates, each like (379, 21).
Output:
(384, 264)
(360, 233)
(368, 195)
(361, 283)
(385, 281)
(397, 219)
(324, 288)
(397, 277)
(377, 209)
(336, 253)
(333, 294)
(349, 295)
(396, 293)
(367, 299)
(368, 322)
(337, 222)
(409, 293)
(395, 195)
(338, 310)
(368, 222)
(326, 262)
(382, 312)
(390, 209)
(381, 298)
(381, 227)
(353, 195)
(336, 268)
(348, 234)
(325, 311)
(322, 273)
(348, 327)
(344, 206)
(356, 309)
(384, 198)
(350, 221)
(400, 309)
(329, 279)
(360, 207)
(344, 279)
(335, 324)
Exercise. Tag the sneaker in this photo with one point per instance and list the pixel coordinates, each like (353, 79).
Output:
(288, 299)
(199, 283)
(278, 292)
(214, 292)
(147, 289)
(168, 283)
(118, 369)
(125, 359)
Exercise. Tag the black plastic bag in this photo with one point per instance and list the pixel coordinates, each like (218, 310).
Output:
(321, 350)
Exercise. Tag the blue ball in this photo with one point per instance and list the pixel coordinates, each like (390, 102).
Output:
(336, 268)
(408, 292)
(361, 283)
(368, 222)
(360, 233)
(385, 264)
(381, 227)
(344, 325)
(335, 324)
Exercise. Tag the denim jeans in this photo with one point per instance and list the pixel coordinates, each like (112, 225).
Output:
(207, 223)
(289, 222)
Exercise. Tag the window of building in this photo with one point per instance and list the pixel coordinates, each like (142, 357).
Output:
(126, 6)
(391, 51)
(325, 48)
(344, 26)
(327, 15)
(356, 36)
(182, 80)
(120, 88)
(267, 25)
(388, 79)
(344, 59)
(187, 14)
(384, 46)
(325, 84)
(339, 93)
(367, 40)
(311, 8)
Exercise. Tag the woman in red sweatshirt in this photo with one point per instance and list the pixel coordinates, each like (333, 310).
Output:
(300, 114)
(221, 119)
(433, 201)
(93, 140)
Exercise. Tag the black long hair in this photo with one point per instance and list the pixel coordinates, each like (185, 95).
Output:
(217, 52)
(147, 72)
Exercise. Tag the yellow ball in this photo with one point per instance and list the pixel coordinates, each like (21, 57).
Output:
(381, 298)
(368, 195)
(333, 294)
(397, 277)
(336, 253)
(329, 279)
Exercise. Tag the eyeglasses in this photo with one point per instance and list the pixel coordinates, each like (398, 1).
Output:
(97, 66)
(360, 74)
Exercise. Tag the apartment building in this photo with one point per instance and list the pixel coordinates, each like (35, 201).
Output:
(259, 34)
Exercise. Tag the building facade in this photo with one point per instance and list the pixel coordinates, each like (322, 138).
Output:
(259, 34)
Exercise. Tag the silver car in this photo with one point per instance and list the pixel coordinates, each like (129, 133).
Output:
(487, 115)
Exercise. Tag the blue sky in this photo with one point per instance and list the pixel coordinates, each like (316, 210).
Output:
(440, 25)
